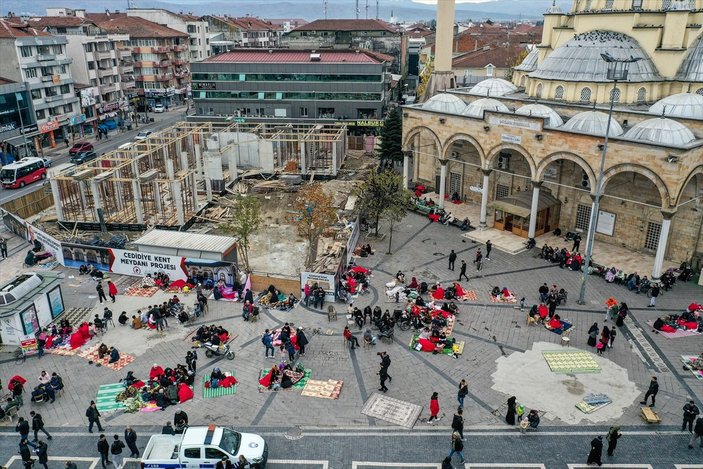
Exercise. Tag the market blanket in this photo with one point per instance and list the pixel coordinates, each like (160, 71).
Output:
(686, 360)
(571, 362)
(330, 389)
(107, 393)
(424, 345)
(678, 333)
(139, 291)
(299, 379)
(501, 299)
(91, 353)
(219, 391)
(593, 402)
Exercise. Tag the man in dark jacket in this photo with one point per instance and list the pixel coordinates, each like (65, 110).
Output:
(652, 391)
(42, 453)
(38, 425)
(697, 433)
(22, 428)
(458, 422)
(452, 259)
(690, 412)
(386, 363)
(93, 417)
(302, 340)
(596, 451)
(104, 449)
(130, 437)
(26, 454)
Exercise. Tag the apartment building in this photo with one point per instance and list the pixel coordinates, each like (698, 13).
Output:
(160, 55)
(17, 120)
(198, 30)
(40, 59)
(247, 31)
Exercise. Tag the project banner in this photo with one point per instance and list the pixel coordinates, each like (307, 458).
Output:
(327, 282)
(142, 263)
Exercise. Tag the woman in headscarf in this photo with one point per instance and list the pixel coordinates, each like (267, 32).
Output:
(593, 335)
(510, 415)
(613, 437)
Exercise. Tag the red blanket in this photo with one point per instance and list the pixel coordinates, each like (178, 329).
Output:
(543, 311)
(13, 379)
(266, 380)
(184, 393)
(228, 382)
(77, 340)
(357, 268)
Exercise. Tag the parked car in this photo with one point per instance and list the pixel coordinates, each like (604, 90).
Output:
(159, 108)
(144, 134)
(83, 157)
(80, 147)
(47, 162)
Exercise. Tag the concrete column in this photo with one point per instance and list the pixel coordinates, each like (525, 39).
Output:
(208, 189)
(661, 247)
(119, 195)
(198, 162)
(97, 204)
(533, 208)
(233, 170)
(484, 198)
(406, 169)
(177, 198)
(84, 201)
(157, 198)
(303, 165)
(169, 170)
(442, 182)
(184, 161)
(138, 208)
(334, 158)
(57, 199)
(194, 190)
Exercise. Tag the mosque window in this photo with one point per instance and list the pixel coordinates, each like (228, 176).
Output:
(666, 4)
(637, 5)
(615, 95)
(609, 4)
(585, 95)
(651, 240)
(641, 95)
(588, 5)
(538, 92)
(523, 80)
(559, 92)
(699, 91)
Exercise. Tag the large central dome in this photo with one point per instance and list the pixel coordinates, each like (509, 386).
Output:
(579, 60)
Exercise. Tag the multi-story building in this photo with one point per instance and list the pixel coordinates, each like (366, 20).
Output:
(247, 31)
(40, 59)
(197, 29)
(17, 120)
(287, 24)
(161, 56)
(326, 84)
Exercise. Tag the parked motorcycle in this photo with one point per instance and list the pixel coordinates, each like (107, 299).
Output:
(222, 350)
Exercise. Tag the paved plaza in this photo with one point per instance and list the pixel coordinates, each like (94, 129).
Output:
(335, 434)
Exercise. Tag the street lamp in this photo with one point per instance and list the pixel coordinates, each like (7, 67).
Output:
(617, 71)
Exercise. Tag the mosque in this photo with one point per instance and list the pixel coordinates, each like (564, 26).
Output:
(529, 151)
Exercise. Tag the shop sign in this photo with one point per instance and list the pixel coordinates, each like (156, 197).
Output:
(142, 263)
(29, 345)
(109, 107)
(29, 129)
(365, 123)
(75, 120)
(606, 223)
(49, 126)
(7, 127)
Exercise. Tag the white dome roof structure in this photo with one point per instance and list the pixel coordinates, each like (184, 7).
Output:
(662, 131)
(492, 87)
(579, 60)
(445, 102)
(594, 123)
(529, 63)
(476, 108)
(684, 105)
(551, 118)
(691, 69)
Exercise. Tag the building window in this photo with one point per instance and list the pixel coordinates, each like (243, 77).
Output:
(68, 108)
(583, 217)
(523, 80)
(538, 92)
(31, 72)
(651, 240)
(585, 95)
(609, 4)
(699, 91)
(303, 112)
(41, 114)
(489, 70)
(502, 191)
(615, 95)
(641, 95)
(36, 94)
(559, 92)
(666, 4)
(26, 51)
(637, 5)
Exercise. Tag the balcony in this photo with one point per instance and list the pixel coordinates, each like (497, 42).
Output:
(109, 88)
(143, 50)
(164, 77)
(161, 50)
(126, 69)
(126, 77)
(106, 72)
(47, 78)
(179, 61)
(181, 74)
(103, 54)
(51, 99)
(45, 57)
(180, 47)
(164, 64)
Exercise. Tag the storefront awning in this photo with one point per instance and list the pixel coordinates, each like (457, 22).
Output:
(506, 206)
(520, 204)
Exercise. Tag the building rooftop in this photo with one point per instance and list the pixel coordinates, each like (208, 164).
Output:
(299, 56)
(593, 123)
(498, 56)
(135, 26)
(692, 66)
(661, 131)
(10, 28)
(183, 241)
(6, 81)
(529, 63)
(550, 116)
(492, 87)
(348, 25)
(477, 108)
(445, 102)
(58, 21)
(248, 23)
(685, 105)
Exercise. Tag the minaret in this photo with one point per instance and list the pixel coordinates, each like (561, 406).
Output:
(442, 77)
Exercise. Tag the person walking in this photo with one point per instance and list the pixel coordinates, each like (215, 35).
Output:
(458, 422)
(130, 437)
(489, 247)
(447, 463)
(697, 433)
(3, 247)
(383, 376)
(22, 428)
(386, 363)
(457, 446)
(434, 408)
(104, 449)
(26, 454)
(111, 290)
(452, 259)
(594, 457)
(101, 292)
(70, 465)
(652, 391)
(462, 271)
(42, 453)
(613, 436)
(654, 293)
(93, 417)
(267, 340)
(690, 412)
(613, 333)
(462, 392)
(38, 425)
(512, 410)
(116, 451)
(192, 360)
(577, 243)
(478, 260)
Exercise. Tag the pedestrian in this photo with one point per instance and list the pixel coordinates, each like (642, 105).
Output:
(130, 437)
(613, 333)
(512, 410)
(543, 293)
(302, 341)
(180, 420)
(192, 360)
(111, 290)
(462, 271)
(306, 293)
(267, 340)
(26, 454)
(17, 391)
(3, 247)
(65, 140)
(22, 428)
(596, 451)
(577, 243)
(383, 376)
(93, 417)
(593, 335)
(458, 422)
(697, 433)
(42, 453)
(690, 412)
(107, 317)
(168, 429)
(654, 293)
(434, 408)
(479, 259)
(103, 449)
(38, 425)
(116, 451)
(290, 348)
(457, 446)
(447, 463)
(489, 247)
(70, 465)
(386, 363)
(462, 392)
(224, 463)
(452, 259)
(652, 391)
(101, 292)
(613, 437)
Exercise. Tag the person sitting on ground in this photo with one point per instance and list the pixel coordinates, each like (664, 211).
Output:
(455, 197)
(136, 322)
(180, 420)
(123, 318)
(44, 378)
(217, 374)
(465, 225)
(183, 316)
(168, 429)
(103, 350)
(400, 277)
(114, 355)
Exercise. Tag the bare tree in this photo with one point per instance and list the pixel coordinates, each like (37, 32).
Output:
(315, 215)
(246, 219)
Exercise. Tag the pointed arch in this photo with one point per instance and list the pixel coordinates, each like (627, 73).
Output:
(696, 171)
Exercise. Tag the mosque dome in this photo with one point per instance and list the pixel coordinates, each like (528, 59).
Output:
(662, 131)
(476, 108)
(684, 105)
(445, 102)
(529, 63)
(492, 87)
(579, 60)
(692, 66)
(594, 123)
(551, 118)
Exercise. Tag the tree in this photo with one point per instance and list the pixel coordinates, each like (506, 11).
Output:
(246, 219)
(315, 215)
(391, 139)
(514, 62)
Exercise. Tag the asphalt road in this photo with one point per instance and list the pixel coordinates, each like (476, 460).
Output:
(116, 139)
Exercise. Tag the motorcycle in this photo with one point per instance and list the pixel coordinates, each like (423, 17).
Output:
(386, 335)
(222, 350)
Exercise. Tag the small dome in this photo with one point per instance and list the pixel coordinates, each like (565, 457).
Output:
(691, 69)
(594, 123)
(492, 87)
(445, 102)
(476, 108)
(529, 63)
(551, 118)
(662, 131)
(685, 105)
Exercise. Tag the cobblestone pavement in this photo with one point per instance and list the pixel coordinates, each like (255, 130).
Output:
(489, 330)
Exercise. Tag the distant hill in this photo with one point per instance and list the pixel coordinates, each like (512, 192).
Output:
(403, 10)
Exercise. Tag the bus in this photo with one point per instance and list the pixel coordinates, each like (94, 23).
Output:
(22, 172)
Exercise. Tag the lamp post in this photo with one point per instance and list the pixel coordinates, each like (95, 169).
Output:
(617, 71)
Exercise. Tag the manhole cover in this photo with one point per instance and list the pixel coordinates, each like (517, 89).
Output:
(294, 433)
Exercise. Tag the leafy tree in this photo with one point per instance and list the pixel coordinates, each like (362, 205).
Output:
(514, 62)
(315, 215)
(391, 139)
(246, 219)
